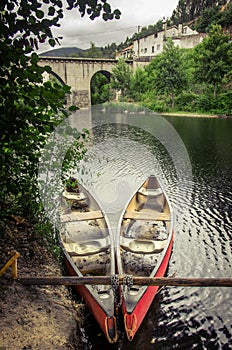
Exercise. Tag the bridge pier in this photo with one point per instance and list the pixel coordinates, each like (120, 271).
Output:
(80, 98)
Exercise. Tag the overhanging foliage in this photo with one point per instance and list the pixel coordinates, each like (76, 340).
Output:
(30, 108)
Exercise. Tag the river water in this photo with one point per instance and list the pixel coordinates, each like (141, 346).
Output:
(193, 159)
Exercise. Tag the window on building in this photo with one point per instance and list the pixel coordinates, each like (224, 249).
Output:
(156, 35)
(153, 49)
(145, 50)
(158, 47)
(185, 30)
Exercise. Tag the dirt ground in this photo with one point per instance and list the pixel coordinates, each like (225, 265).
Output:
(34, 317)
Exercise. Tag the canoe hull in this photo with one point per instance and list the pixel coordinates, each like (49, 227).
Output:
(143, 248)
(107, 323)
(132, 321)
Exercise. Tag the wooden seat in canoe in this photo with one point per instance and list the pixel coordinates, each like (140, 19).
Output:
(142, 246)
(147, 215)
(81, 216)
(87, 247)
(74, 196)
(150, 191)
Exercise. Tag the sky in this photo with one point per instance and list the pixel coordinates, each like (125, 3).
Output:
(80, 32)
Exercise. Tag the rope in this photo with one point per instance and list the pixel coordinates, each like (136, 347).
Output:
(115, 338)
(115, 287)
(130, 331)
(128, 281)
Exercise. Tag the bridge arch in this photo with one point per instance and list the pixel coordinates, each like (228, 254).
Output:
(57, 78)
(78, 72)
(107, 74)
(51, 75)
(99, 87)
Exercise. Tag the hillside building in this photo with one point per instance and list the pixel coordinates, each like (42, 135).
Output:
(147, 47)
(126, 53)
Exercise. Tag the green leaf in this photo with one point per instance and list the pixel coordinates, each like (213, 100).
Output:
(73, 108)
(47, 69)
(32, 19)
(107, 8)
(51, 11)
(39, 14)
(117, 14)
(52, 42)
(34, 58)
(106, 16)
(10, 6)
(59, 3)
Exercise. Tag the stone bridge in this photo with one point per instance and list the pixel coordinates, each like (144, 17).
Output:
(77, 73)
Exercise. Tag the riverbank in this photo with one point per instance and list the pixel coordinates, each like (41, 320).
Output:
(133, 107)
(34, 317)
(195, 115)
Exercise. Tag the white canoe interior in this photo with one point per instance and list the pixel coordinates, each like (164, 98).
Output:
(85, 234)
(145, 229)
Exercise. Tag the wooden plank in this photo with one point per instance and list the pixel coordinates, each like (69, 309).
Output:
(150, 191)
(142, 281)
(142, 246)
(82, 216)
(15, 269)
(86, 248)
(74, 196)
(145, 215)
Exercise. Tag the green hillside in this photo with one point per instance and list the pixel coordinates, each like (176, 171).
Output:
(63, 52)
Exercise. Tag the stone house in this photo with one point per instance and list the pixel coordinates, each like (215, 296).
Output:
(126, 53)
(147, 47)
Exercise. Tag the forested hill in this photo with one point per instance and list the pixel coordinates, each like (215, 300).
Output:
(63, 52)
(199, 14)
(189, 10)
(92, 52)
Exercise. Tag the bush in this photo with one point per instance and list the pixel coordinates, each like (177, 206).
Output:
(157, 105)
(205, 103)
(224, 103)
(186, 101)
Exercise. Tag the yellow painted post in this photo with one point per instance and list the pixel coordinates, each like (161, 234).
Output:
(15, 268)
(12, 262)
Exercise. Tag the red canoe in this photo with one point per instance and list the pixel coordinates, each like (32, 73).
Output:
(143, 248)
(86, 241)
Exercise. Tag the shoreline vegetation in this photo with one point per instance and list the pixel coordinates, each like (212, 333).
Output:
(195, 115)
(130, 107)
